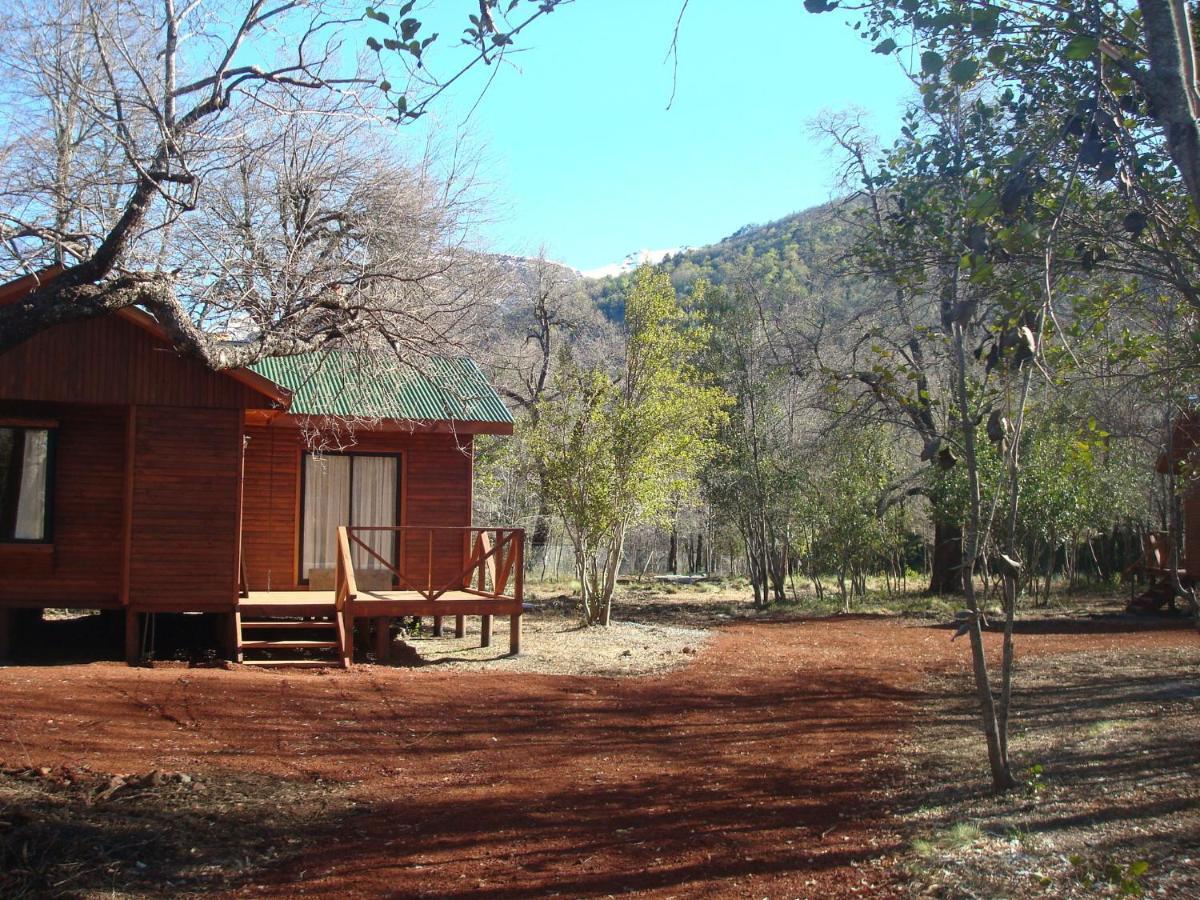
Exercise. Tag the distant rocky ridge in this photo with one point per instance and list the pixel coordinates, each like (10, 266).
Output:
(632, 261)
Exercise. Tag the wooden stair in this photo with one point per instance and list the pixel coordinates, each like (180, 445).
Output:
(274, 639)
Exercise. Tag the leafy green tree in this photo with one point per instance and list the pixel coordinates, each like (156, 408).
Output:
(620, 450)
(1123, 72)
(851, 529)
(753, 481)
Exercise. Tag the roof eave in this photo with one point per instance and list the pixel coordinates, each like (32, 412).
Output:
(409, 426)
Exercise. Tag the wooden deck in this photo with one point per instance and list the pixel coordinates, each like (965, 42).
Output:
(378, 608)
(489, 584)
(368, 604)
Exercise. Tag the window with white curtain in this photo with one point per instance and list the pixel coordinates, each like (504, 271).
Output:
(349, 489)
(24, 484)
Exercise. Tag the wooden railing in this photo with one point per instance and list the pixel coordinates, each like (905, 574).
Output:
(345, 587)
(493, 559)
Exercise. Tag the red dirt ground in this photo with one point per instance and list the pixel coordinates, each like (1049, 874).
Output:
(762, 769)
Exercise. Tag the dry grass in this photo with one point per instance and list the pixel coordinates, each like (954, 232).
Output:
(554, 643)
(72, 833)
(1110, 802)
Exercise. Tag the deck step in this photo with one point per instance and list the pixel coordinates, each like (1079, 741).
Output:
(326, 624)
(327, 610)
(295, 663)
(289, 645)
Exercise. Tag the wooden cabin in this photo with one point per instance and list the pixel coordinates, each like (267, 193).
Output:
(300, 500)
(1182, 457)
(1157, 564)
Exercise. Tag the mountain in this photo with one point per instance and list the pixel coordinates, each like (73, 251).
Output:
(801, 249)
(631, 262)
(522, 273)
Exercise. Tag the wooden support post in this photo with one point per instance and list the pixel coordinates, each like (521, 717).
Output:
(133, 637)
(233, 638)
(346, 636)
(7, 621)
(485, 631)
(437, 626)
(460, 626)
(514, 635)
(383, 639)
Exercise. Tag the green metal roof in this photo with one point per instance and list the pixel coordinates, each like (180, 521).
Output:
(356, 384)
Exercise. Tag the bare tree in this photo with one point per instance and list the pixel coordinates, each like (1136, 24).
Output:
(546, 316)
(211, 162)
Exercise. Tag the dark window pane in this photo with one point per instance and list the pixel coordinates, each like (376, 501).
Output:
(30, 521)
(9, 480)
(24, 483)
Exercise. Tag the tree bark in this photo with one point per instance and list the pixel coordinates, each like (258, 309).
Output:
(946, 577)
(1171, 84)
(540, 539)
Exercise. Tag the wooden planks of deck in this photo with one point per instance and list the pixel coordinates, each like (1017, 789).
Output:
(385, 605)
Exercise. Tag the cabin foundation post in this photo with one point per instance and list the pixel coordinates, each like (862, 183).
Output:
(133, 634)
(485, 631)
(460, 626)
(346, 637)
(383, 639)
(232, 634)
(514, 635)
(7, 621)
(437, 626)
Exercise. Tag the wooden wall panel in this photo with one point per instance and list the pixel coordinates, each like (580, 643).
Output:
(187, 466)
(85, 559)
(269, 508)
(111, 360)
(438, 493)
(435, 490)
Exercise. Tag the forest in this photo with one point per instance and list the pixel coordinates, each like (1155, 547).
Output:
(827, 474)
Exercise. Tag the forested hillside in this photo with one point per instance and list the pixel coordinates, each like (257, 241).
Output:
(834, 462)
(805, 247)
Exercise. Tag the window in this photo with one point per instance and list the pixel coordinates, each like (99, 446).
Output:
(25, 484)
(349, 489)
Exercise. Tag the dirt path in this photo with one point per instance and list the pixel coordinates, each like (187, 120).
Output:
(762, 769)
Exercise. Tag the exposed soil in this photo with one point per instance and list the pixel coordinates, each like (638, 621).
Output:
(1107, 751)
(554, 643)
(771, 765)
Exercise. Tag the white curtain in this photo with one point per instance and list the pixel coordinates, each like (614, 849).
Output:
(31, 499)
(326, 506)
(374, 503)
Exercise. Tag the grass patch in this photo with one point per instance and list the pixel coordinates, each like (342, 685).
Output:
(958, 837)
(1107, 726)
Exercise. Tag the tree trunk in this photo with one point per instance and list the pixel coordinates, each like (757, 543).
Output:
(947, 563)
(539, 541)
(997, 742)
(1171, 85)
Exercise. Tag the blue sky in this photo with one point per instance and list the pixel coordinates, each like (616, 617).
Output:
(585, 158)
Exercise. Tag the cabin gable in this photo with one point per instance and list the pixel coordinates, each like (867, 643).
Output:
(117, 360)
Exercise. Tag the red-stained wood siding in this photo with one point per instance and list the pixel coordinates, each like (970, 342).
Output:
(82, 566)
(435, 490)
(269, 508)
(111, 360)
(438, 492)
(187, 466)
